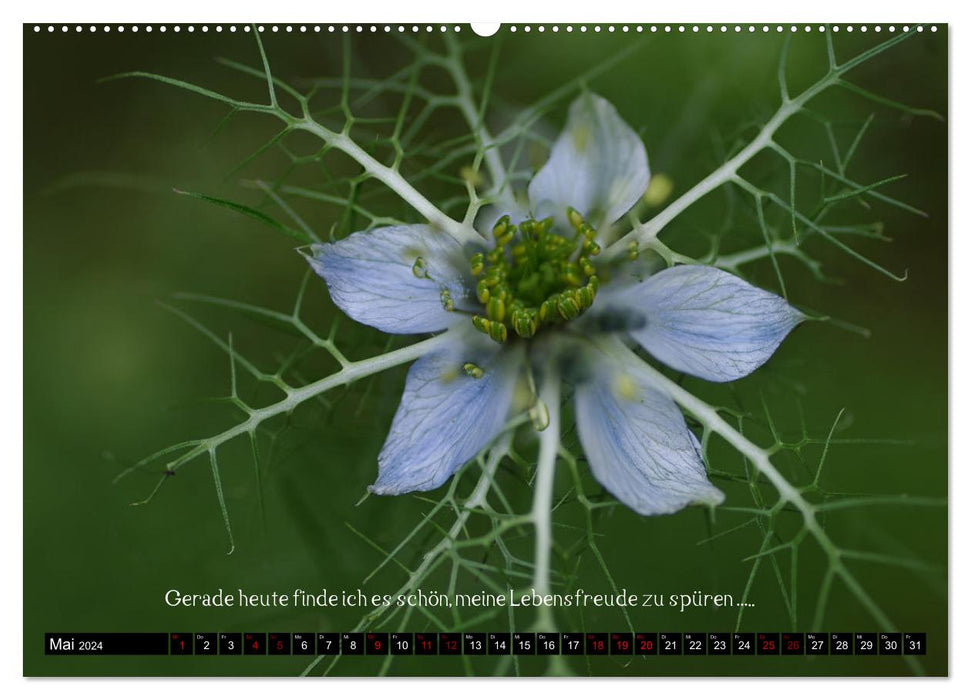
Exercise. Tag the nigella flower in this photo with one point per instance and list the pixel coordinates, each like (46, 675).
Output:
(539, 299)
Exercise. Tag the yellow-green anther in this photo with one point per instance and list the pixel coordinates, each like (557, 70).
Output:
(482, 291)
(501, 225)
(478, 263)
(571, 279)
(547, 309)
(522, 324)
(576, 220)
(591, 248)
(471, 176)
(480, 323)
(568, 307)
(419, 269)
(497, 331)
(503, 231)
(473, 370)
(659, 189)
(594, 283)
(588, 231)
(496, 308)
(585, 296)
(586, 266)
(632, 251)
(447, 302)
(539, 415)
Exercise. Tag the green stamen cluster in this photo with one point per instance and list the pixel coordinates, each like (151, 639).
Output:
(536, 278)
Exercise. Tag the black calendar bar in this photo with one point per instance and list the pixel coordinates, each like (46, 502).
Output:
(107, 643)
(646, 644)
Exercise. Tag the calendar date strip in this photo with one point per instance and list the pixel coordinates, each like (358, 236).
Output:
(486, 643)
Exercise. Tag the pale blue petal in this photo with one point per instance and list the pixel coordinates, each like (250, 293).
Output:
(704, 321)
(447, 417)
(505, 205)
(598, 166)
(371, 277)
(637, 443)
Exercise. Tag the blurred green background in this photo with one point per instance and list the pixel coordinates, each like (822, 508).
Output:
(111, 376)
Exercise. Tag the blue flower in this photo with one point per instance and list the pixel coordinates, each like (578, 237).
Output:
(535, 299)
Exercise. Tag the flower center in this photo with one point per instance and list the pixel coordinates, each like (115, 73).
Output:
(535, 277)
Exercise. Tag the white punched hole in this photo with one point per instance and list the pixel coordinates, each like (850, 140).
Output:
(485, 28)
